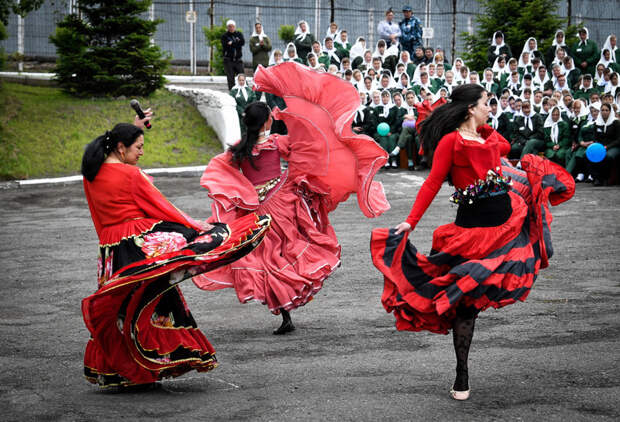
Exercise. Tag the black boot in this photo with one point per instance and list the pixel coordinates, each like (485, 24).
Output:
(287, 324)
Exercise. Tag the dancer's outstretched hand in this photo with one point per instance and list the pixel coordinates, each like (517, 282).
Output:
(403, 227)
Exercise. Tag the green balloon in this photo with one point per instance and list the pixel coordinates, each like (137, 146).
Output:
(383, 129)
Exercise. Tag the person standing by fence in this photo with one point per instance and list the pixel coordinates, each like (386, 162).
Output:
(411, 31)
(232, 41)
(260, 46)
(388, 30)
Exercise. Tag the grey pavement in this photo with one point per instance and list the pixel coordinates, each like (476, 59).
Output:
(554, 357)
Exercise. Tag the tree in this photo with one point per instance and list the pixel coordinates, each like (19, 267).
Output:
(286, 33)
(19, 7)
(518, 20)
(108, 51)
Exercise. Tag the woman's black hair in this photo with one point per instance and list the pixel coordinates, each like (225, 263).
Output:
(446, 118)
(254, 117)
(96, 152)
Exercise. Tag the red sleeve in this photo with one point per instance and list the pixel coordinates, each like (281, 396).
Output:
(490, 134)
(442, 163)
(155, 204)
(284, 146)
(93, 214)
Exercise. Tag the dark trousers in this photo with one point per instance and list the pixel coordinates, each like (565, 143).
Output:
(232, 69)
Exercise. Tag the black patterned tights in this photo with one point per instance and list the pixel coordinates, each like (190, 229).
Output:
(462, 334)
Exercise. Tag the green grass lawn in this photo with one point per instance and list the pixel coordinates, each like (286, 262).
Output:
(43, 131)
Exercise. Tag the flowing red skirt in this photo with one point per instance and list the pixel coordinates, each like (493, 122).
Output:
(474, 266)
(141, 328)
(297, 254)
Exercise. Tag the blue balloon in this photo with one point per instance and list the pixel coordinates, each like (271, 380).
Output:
(383, 129)
(596, 152)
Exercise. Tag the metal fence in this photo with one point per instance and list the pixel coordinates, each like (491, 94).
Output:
(358, 17)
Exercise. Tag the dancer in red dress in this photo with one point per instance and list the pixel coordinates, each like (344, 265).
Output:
(491, 254)
(141, 328)
(326, 163)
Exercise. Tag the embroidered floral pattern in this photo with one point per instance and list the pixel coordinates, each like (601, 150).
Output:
(494, 184)
(165, 321)
(158, 243)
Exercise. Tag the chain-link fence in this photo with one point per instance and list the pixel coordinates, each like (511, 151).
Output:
(448, 18)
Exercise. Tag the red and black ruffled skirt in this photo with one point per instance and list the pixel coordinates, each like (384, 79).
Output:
(140, 325)
(489, 257)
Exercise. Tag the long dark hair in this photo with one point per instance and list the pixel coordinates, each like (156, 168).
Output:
(446, 118)
(254, 117)
(96, 152)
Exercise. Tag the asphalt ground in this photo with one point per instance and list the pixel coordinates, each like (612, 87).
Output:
(554, 357)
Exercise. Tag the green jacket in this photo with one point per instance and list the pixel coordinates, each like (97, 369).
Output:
(260, 53)
(491, 56)
(587, 52)
(343, 49)
(304, 47)
(397, 124)
(390, 119)
(240, 99)
(584, 94)
(610, 137)
(521, 132)
(564, 138)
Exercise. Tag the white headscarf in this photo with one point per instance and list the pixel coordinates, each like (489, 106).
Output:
(500, 70)
(392, 50)
(318, 65)
(285, 56)
(400, 59)
(494, 43)
(587, 36)
(555, 130)
(487, 84)
(602, 59)
(605, 123)
(260, 35)
(437, 95)
(527, 118)
(331, 53)
(555, 39)
(522, 62)
(584, 110)
(559, 62)
(415, 79)
(388, 106)
(495, 117)
(391, 82)
(610, 88)
(362, 87)
(599, 79)
(596, 105)
(358, 49)
(241, 89)
(372, 100)
(330, 34)
(608, 46)
(272, 57)
(301, 35)
(526, 47)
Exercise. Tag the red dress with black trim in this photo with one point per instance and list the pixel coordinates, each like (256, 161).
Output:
(141, 328)
(326, 163)
(490, 256)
